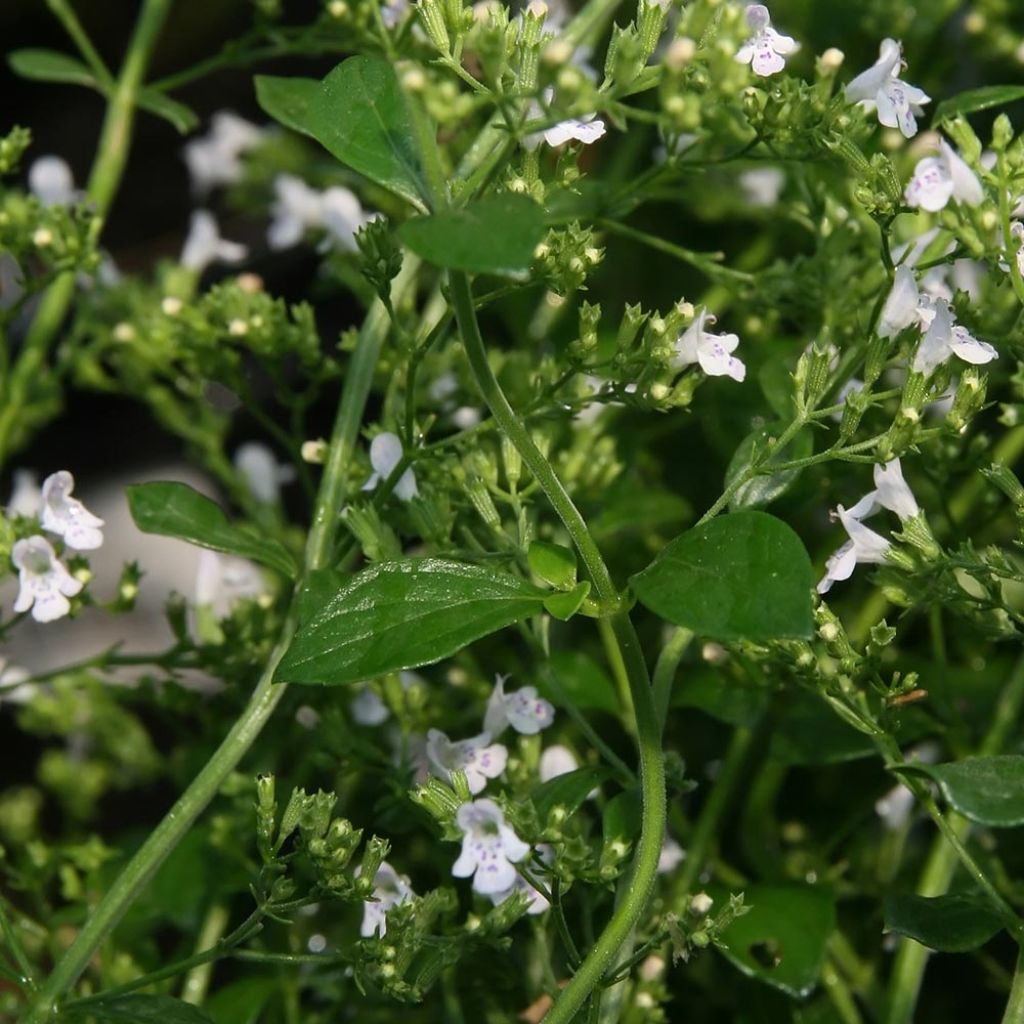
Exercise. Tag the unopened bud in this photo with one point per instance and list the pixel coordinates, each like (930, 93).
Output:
(679, 53)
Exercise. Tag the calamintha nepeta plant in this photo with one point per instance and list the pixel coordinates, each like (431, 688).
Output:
(571, 727)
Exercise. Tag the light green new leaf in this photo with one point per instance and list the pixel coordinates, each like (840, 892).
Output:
(972, 100)
(177, 510)
(743, 576)
(359, 115)
(399, 615)
(287, 100)
(552, 563)
(954, 923)
(781, 940)
(51, 66)
(495, 235)
(988, 790)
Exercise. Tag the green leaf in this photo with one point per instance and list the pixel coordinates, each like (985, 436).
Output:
(177, 510)
(743, 576)
(568, 791)
(359, 115)
(51, 66)
(735, 701)
(621, 816)
(988, 790)
(766, 488)
(183, 118)
(287, 100)
(553, 564)
(398, 615)
(955, 923)
(138, 1008)
(985, 98)
(495, 235)
(242, 1001)
(565, 605)
(781, 940)
(584, 682)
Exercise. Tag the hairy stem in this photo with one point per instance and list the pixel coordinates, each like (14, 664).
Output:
(640, 881)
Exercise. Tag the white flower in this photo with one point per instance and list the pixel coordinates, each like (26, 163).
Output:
(891, 492)
(385, 455)
(851, 387)
(204, 245)
(879, 88)
(712, 351)
(864, 545)
(765, 51)
(66, 516)
(489, 847)
(44, 585)
(903, 306)
(762, 186)
(477, 758)
(262, 473)
(224, 580)
(50, 180)
(587, 129)
(526, 712)
(945, 338)
(937, 179)
(389, 890)
(298, 208)
(671, 856)
(215, 158)
(368, 708)
(26, 498)
(556, 760)
(391, 12)
(537, 902)
(11, 678)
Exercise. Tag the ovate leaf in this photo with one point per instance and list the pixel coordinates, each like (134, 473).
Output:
(139, 1008)
(287, 100)
(955, 923)
(582, 680)
(985, 98)
(399, 615)
(177, 510)
(988, 790)
(743, 576)
(51, 66)
(552, 563)
(359, 115)
(766, 487)
(781, 940)
(564, 604)
(495, 235)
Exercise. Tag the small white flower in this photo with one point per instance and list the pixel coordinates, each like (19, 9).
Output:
(11, 678)
(945, 338)
(765, 51)
(368, 707)
(903, 306)
(523, 709)
(489, 848)
(224, 580)
(215, 158)
(587, 129)
(262, 473)
(556, 760)
(892, 491)
(880, 88)
(391, 12)
(50, 180)
(671, 856)
(762, 186)
(298, 208)
(937, 179)
(26, 497)
(389, 890)
(537, 902)
(44, 585)
(66, 516)
(864, 545)
(712, 351)
(385, 455)
(477, 758)
(204, 245)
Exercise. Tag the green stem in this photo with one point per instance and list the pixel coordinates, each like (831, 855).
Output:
(640, 881)
(13, 943)
(66, 16)
(193, 989)
(1015, 1006)
(107, 170)
(665, 671)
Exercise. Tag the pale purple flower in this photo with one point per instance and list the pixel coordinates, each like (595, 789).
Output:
(385, 455)
(215, 158)
(389, 890)
(222, 581)
(204, 245)
(712, 351)
(523, 709)
(766, 50)
(66, 516)
(537, 902)
(368, 707)
(891, 492)
(880, 88)
(945, 338)
(864, 545)
(297, 208)
(26, 496)
(903, 307)
(937, 179)
(262, 473)
(489, 848)
(556, 760)
(477, 758)
(44, 585)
